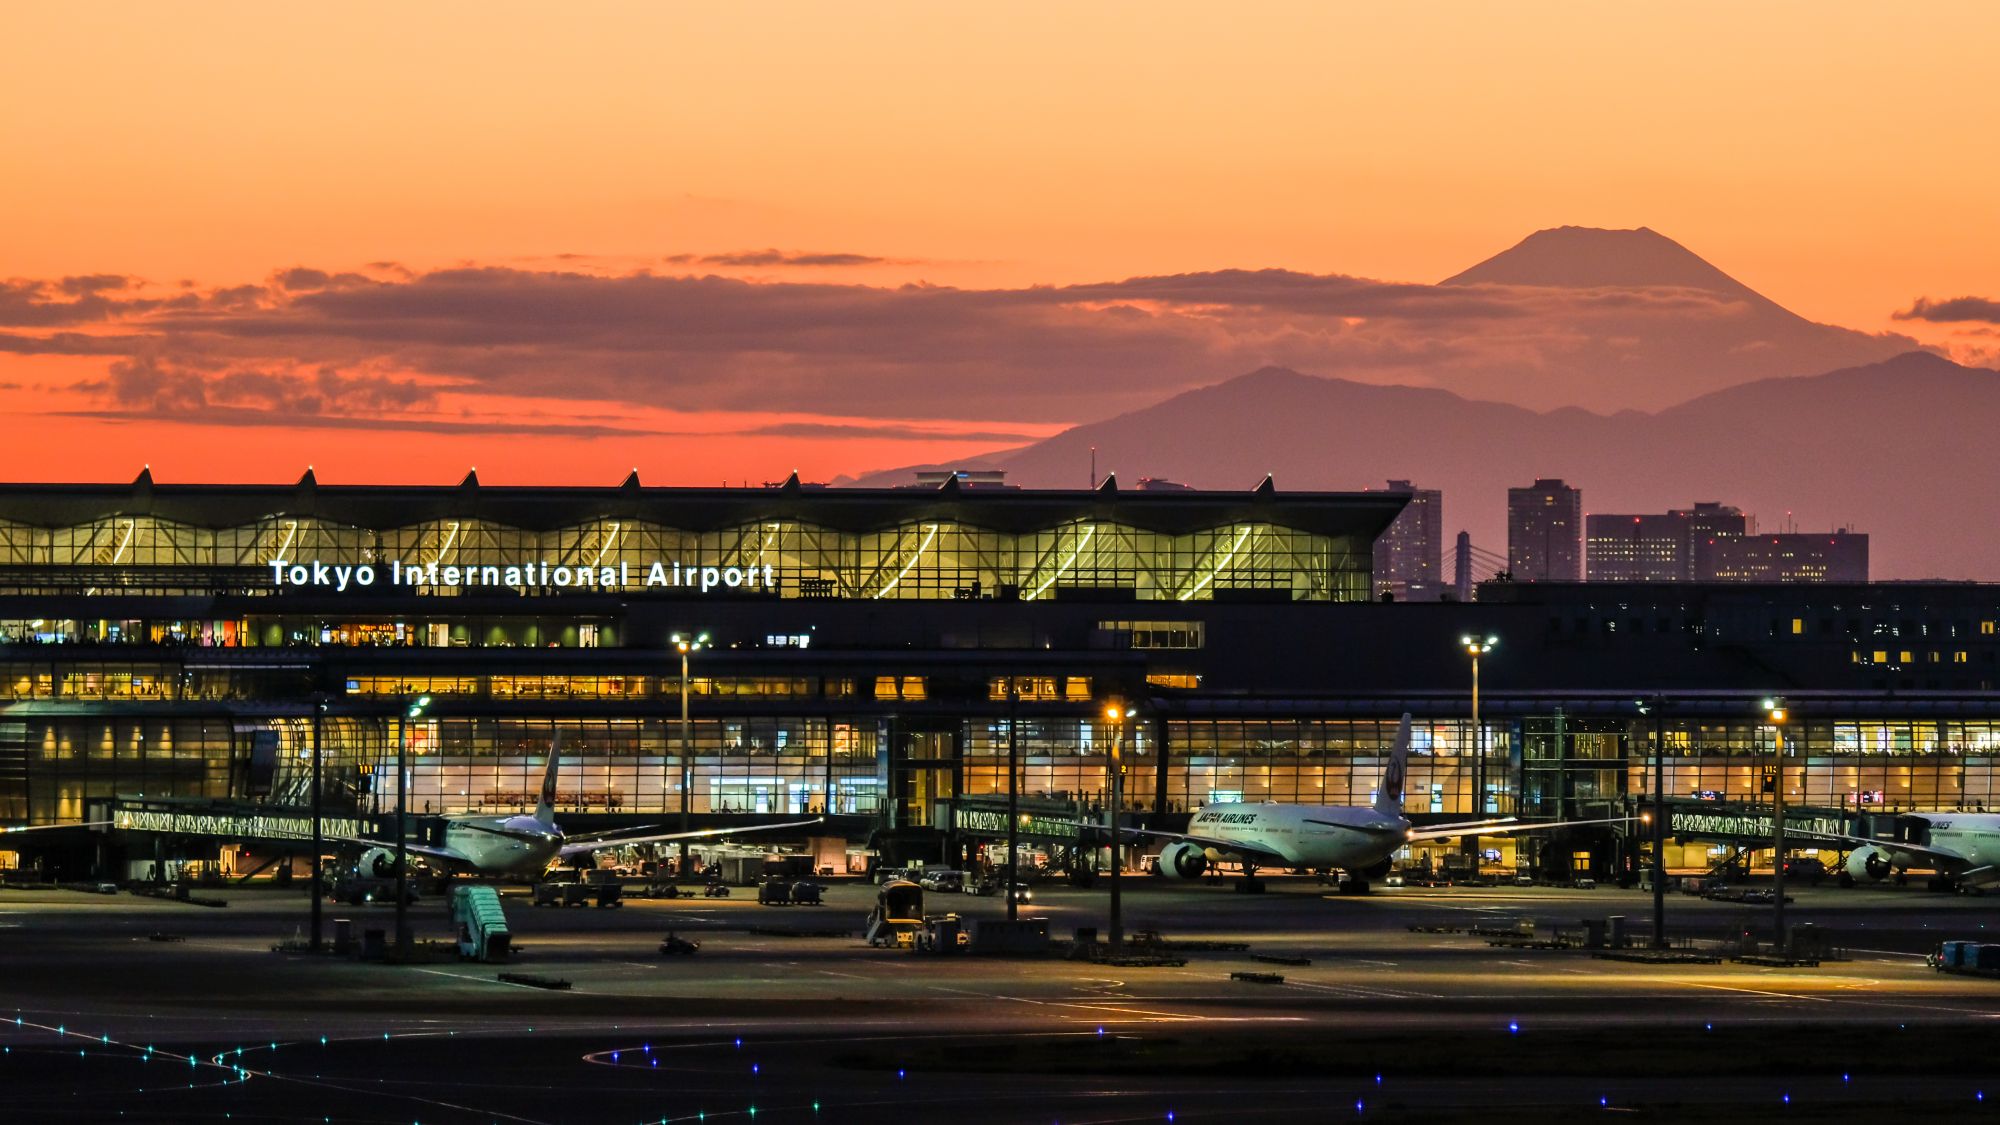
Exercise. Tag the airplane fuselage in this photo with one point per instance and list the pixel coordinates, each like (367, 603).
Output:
(1976, 836)
(503, 845)
(1317, 836)
(1973, 837)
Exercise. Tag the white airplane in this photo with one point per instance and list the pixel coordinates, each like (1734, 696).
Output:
(1357, 839)
(1963, 848)
(525, 843)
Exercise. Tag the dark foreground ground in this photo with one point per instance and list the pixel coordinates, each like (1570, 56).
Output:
(784, 1018)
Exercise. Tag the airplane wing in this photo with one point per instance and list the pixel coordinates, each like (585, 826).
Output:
(426, 851)
(1502, 828)
(597, 843)
(1917, 850)
(46, 827)
(1262, 857)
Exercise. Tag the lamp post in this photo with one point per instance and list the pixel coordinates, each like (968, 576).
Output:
(319, 843)
(1775, 710)
(686, 646)
(1013, 795)
(1120, 716)
(1653, 707)
(415, 712)
(1476, 647)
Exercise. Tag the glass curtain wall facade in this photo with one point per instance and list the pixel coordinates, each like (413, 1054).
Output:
(1864, 765)
(792, 765)
(747, 765)
(912, 560)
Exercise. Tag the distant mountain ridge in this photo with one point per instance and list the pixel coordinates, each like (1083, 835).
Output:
(1900, 449)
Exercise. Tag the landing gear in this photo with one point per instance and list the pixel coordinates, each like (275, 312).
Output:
(1942, 883)
(1846, 880)
(1249, 884)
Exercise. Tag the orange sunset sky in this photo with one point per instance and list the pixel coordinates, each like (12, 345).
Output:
(398, 240)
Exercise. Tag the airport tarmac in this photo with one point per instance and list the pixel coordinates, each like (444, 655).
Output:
(788, 1010)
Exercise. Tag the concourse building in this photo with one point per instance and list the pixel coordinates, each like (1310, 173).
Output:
(175, 658)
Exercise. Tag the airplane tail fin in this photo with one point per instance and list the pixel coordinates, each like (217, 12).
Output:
(546, 810)
(1389, 797)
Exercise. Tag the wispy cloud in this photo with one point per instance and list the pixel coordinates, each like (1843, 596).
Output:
(1955, 310)
(778, 258)
(384, 342)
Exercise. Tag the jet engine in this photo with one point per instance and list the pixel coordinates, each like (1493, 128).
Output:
(1868, 863)
(379, 863)
(1182, 860)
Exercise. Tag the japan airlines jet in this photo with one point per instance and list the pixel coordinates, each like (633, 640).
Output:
(1357, 839)
(526, 843)
(1963, 848)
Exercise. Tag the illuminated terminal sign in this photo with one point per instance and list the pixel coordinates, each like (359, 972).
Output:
(523, 576)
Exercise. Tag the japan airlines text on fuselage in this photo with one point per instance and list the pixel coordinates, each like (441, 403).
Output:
(1317, 836)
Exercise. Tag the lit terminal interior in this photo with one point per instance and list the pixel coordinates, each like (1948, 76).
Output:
(873, 655)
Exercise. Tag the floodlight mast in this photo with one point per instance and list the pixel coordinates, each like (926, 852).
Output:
(414, 712)
(1778, 713)
(686, 646)
(1476, 647)
(1120, 716)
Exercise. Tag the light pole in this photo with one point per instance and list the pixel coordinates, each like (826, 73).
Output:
(1775, 710)
(1120, 716)
(1013, 795)
(319, 843)
(1653, 707)
(1476, 648)
(686, 646)
(415, 712)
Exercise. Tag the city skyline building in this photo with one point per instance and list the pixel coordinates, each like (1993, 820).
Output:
(1545, 532)
(1837, 556)
(1715, 542)
(1409, 556)
(1672, 546)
